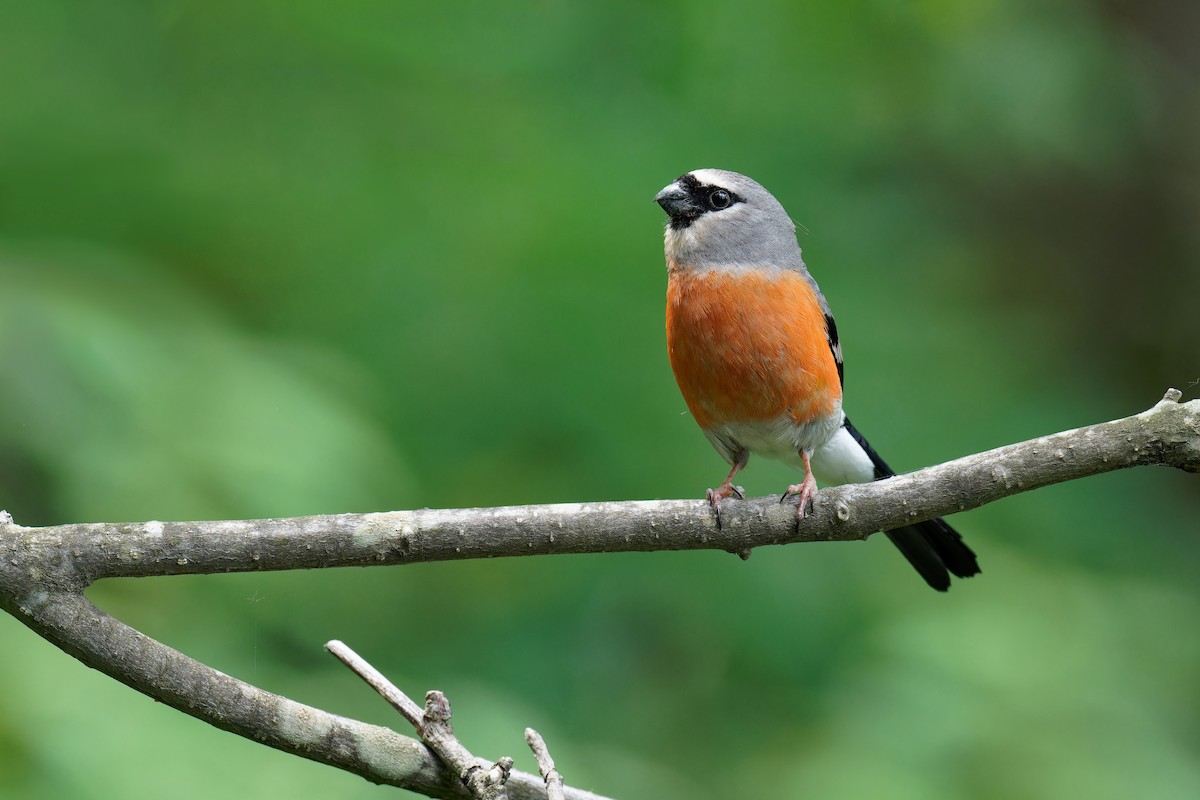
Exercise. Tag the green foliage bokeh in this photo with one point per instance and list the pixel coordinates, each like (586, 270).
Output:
(290, 258)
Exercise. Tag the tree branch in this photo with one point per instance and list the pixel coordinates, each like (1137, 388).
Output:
(77, 555)
(71, 622)
(43, 571)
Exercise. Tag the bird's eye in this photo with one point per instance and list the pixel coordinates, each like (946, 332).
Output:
(720, 199)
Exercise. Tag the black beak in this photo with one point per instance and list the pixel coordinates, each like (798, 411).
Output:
(680, 205)
(674, 200)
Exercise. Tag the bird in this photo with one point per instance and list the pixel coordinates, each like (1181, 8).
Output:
(756, 353)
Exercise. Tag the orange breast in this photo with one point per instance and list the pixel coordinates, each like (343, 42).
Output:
(749, 347)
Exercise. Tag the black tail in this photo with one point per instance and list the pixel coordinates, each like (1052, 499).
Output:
(932, 547)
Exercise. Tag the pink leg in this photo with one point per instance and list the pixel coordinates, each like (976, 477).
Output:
(805, 488)
(715, 496)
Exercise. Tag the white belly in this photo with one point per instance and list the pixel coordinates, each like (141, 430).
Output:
(781, 439)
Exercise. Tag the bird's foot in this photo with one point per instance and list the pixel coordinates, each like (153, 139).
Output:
(806, 489)
(715, 496)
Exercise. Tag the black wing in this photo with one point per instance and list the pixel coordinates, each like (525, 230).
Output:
(835, 345)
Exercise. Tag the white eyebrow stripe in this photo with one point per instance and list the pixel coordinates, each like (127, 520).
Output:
(712, 177)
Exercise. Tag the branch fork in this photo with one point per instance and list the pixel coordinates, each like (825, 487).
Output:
(484, 781)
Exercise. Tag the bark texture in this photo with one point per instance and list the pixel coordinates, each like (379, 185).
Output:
(43, 571)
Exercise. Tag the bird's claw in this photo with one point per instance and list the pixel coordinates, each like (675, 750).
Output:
(715, 496)
(806, 489)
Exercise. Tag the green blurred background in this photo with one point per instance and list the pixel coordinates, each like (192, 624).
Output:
(288, 258)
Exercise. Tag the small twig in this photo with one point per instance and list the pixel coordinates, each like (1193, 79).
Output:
(553, 778)
(484, 781)
(387, 690)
